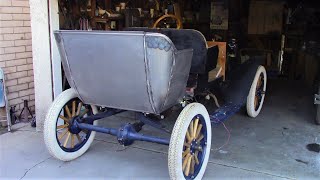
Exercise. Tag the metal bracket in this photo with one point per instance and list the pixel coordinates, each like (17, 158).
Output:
(101, 115)
(151, 122)
(316, 99)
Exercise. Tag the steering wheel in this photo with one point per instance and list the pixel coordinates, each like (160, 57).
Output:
(178, 20)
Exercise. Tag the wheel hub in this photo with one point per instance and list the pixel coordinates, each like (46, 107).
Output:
(123, 134)
(73, 128)
(195, 146)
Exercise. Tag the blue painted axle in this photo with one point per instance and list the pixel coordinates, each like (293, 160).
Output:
(126, 134)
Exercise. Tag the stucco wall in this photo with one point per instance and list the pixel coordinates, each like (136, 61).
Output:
(16, 51)
(41, 58)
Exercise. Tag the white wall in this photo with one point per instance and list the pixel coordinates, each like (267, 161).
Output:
(55, 56)
(42, 55)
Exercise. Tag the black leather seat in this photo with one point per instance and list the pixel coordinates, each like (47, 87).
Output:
(204, 59)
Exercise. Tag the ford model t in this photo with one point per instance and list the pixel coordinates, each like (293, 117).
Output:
(147, 71)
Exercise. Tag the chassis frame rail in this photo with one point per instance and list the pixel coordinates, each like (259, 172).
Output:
(128, 133)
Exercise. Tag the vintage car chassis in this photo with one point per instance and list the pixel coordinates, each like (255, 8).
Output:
(71, 122)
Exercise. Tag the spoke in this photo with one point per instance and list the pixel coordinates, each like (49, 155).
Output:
(198, 130)
(63, 134)
(195, 127)
(62, 126)
(191, 130)
(83, 113)
(68, 111)
(64, 118)
(79, 138)
(186, 144)
(187, 151)
(255, 101)
(188, 136)
(67, 139)
(72, 141)
(73, 108)
(185, 161)
(196, 157)
(200, 138)
(79, 108)
(192, 165)
(259, 83)
(186, 172)
(199, 148)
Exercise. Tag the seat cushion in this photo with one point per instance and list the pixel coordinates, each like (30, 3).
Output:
(190, 39)
(185, 39)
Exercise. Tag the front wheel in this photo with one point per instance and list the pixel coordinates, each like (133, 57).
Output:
(257, 92)
(190, 143)
(62, 142)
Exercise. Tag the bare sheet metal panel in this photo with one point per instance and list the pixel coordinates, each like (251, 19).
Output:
(126, 70)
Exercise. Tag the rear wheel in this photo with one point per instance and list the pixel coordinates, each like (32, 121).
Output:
(63, 142)
(256, 95)
(190, 143)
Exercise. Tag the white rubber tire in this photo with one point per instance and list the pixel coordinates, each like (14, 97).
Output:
(251, 110)
(178, 137)
(49, 130)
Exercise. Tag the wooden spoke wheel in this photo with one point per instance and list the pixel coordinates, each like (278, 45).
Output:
(63, 140)
(256, 95)
(178, 21)
(190, 143)
(72, 140)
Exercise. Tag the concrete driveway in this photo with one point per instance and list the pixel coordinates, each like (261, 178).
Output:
(271, 146)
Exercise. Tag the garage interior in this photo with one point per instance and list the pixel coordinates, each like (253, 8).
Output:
(283, 139)
(282, 142)
(284, 33)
